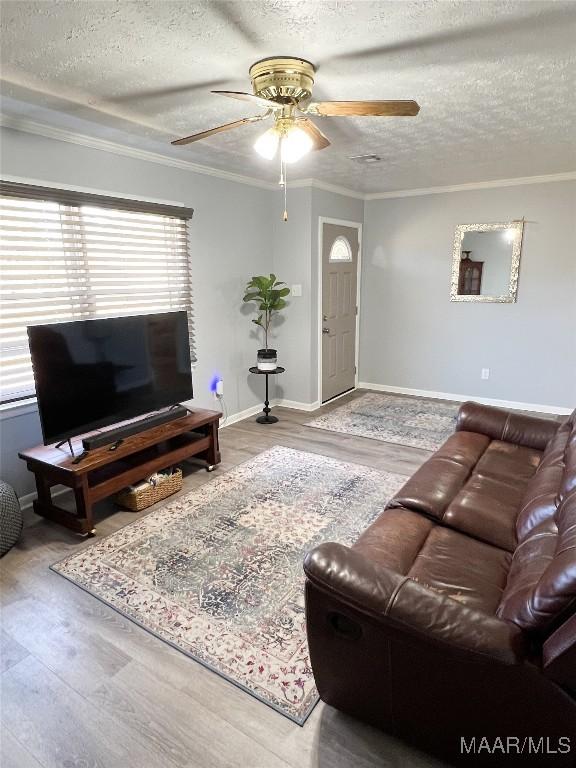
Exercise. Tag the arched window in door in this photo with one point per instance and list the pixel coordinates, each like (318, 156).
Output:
(341, 250)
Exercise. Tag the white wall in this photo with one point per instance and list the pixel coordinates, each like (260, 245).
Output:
(230, 240)
(413, 337)
(291, 263)
(295, 258)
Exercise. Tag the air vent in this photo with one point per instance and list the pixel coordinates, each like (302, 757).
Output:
(366, 158)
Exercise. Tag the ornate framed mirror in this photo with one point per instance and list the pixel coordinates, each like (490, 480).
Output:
(486, 261)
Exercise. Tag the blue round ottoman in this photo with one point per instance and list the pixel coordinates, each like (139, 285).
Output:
(10, 518)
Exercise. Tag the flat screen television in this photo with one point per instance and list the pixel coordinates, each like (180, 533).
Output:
(93, 373)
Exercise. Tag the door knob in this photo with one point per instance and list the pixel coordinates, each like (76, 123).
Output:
(325, 330)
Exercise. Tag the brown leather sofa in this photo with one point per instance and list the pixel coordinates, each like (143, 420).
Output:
(451, 622)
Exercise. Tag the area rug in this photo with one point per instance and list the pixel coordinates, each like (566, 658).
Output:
(416, 422)
(218, 573)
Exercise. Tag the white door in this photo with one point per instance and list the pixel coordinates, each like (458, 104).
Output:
(339, 313)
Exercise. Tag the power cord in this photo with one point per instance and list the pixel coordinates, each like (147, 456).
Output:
(223, 408)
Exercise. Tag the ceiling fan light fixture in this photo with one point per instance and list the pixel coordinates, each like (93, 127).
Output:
(294, 145)
(267, 143)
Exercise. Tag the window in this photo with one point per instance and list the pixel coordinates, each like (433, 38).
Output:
(341, 250)
(71, 256)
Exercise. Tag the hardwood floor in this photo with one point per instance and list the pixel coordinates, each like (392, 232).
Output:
(82, 686)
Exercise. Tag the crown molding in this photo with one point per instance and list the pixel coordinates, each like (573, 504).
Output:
(494, 184)
(72, 137)
(568, 176)
(326, 187)
(60, 134)
(105, 145)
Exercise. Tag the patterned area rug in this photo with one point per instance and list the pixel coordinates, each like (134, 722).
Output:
(218, 573)
(416, 422)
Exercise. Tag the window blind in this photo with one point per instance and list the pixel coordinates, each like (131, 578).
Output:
(62, 261)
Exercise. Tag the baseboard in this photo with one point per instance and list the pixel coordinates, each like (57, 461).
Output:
(253, 410)
(26, 500)
(555, 409)
(339, 397)
(297, 405)
(245, 414)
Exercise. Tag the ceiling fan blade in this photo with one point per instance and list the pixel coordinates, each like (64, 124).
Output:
(320, 141)
(218, 129)
(249, 97)
(362, 108)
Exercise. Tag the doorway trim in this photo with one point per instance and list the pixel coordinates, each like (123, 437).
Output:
(358, 226)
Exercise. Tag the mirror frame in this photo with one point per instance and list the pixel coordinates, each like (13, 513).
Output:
(461, 230)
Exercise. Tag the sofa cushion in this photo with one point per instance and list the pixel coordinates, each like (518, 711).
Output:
(553, 478)
(395, 539)
(474, 485)
(467, 570)
(516, 428)
(486, 508)
(540, 500)
(433, 486)
(542, 580)
(488, 504)
(556, 448)
(568, 484)
(514, 463)
(555, 593)
(529, 564)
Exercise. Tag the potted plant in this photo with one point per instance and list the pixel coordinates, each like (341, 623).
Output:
(268, 293)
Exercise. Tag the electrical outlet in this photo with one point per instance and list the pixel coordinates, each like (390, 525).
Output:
(485, 374)
(219, 388)
(296, 290)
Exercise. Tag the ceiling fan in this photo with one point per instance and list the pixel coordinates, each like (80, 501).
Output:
(283, 87)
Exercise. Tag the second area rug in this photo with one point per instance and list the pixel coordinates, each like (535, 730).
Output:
(218, 573)
(412, 421)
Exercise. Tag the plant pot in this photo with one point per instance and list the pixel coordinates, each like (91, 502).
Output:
(267, 360)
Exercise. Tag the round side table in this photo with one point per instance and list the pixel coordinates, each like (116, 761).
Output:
(266, 418)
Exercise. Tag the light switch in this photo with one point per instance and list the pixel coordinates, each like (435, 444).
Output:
(296, 290)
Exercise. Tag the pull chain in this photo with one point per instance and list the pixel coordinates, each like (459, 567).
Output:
(285, 216)
(282, 181)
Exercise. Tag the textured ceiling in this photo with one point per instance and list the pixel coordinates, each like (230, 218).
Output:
(495, 80)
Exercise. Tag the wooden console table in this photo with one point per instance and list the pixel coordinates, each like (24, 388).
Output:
(103, 471)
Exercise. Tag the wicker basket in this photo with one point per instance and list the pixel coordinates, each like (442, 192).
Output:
(137, 500)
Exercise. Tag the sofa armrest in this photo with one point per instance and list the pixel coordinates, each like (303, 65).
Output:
(389, 598)
(510, 427)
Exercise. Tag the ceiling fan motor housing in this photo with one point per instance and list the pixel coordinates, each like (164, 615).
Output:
(286, 80)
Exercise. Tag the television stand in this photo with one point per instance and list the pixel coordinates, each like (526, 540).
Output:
(102, 472)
